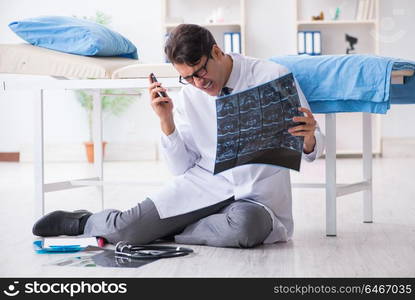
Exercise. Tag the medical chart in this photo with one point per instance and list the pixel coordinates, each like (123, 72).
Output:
(252, 126)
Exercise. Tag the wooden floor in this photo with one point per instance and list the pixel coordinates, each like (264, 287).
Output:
(385, 248)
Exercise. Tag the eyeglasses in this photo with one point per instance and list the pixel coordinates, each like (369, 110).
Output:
(200, 73)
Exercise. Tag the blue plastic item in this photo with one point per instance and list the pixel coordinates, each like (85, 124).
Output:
(38, 245)
(75, 36)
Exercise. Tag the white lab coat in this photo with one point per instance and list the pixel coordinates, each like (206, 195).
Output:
(190, 155)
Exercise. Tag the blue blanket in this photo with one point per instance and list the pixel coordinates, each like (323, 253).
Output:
(349, 83)
(403, 93)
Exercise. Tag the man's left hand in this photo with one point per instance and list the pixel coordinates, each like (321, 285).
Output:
(306, 130)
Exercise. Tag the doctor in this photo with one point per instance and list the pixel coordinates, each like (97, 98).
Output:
(241, 207)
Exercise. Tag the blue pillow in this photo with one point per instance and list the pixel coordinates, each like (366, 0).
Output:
(75, 36)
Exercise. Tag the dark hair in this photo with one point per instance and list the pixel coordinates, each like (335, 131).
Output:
(187, 43)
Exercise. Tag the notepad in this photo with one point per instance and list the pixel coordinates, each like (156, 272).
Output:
(69, 241)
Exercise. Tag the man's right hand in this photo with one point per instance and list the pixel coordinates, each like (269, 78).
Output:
(163, 107)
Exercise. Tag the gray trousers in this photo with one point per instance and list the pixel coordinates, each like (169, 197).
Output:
(228, 223)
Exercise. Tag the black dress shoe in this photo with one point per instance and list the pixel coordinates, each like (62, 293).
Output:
(61, 223)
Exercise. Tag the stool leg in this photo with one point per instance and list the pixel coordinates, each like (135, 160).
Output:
(331, 227)
(367, 168)
(38, 156)
(97, 136)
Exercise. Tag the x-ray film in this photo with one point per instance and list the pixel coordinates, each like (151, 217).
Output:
(253, 126)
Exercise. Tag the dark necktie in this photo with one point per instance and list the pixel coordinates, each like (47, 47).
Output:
(225, 91)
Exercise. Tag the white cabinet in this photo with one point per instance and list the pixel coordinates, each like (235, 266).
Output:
(217, 15)
(333, 32)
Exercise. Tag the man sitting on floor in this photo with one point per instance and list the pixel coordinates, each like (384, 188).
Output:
(240, 207)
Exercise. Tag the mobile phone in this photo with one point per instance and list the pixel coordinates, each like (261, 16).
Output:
(154, 79)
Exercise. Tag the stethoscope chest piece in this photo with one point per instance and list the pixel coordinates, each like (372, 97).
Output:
(125, 249)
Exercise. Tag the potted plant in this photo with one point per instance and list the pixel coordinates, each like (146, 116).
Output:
(111, 103)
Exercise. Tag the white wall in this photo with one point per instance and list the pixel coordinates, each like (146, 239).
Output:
(397, 39)
(270, 28)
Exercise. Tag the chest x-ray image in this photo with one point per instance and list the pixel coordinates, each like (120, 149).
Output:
(253, 124)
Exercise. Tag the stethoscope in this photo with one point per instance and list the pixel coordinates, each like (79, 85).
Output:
(124, 249)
